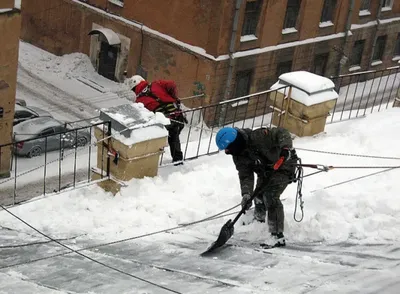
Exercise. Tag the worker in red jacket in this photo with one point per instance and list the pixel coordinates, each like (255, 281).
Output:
(161, 96)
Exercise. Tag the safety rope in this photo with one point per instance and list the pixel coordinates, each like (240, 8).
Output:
(299, 194)
(357, 178)
(348, 154)
(85, 256)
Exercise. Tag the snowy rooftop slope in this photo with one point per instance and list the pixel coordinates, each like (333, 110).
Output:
(309, 88)
(363, 211)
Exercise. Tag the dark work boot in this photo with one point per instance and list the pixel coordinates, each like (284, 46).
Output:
(278, 240)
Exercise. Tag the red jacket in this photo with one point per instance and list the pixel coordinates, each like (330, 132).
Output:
(162, 89)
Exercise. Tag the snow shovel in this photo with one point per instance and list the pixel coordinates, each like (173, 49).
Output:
(228, 228)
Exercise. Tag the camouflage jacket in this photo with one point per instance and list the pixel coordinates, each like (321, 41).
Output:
(263, 149)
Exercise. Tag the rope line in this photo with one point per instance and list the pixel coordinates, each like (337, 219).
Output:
(348, 154)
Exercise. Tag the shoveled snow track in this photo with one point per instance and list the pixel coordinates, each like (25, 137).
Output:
(174, 262)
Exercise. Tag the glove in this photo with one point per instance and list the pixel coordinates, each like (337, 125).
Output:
(284, 156)
(246, 203)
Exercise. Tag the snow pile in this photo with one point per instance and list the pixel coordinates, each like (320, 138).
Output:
(308, 88)
(69, 66)
(145, 125)
(363, 211)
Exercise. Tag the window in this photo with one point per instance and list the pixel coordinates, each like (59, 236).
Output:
(243, 79)
(365, 4)
(23, 114)
(356, 54)
(387, 4)
(397, 47)
(379, 48)
(327, 10)
(320, 62)
(292, 11)
(251, 16)
(47, 132)
(283, 67)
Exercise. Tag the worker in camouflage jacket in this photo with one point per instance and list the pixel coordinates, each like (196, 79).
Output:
(269, 153)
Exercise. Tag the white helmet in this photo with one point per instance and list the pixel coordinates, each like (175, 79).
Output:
(133, 81)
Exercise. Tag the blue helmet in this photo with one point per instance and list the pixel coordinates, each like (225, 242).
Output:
(225, 136)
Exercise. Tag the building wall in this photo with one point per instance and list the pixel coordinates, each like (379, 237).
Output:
(208, 24)
(10, 24)
(64, 31)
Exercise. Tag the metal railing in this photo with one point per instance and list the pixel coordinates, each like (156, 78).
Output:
(364, 92)
(251, 111)
(48, 164)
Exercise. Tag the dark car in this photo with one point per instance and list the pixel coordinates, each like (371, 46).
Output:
(44, 134)
(23, 113)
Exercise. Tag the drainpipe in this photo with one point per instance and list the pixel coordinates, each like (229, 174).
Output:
(231, 61)
(346, 36)
(378, 16)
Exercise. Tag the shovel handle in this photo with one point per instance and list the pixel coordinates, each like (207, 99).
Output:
(255, 192)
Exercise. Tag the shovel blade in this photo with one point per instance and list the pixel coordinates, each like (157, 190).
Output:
(224, 235)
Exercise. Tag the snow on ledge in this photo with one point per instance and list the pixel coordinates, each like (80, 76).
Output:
(396, 58)
(364, 25)
(386, 8)
(377, 62)
(117, 2)
(354, 68)
(289, 31)
(365, 12)
(288, 45)
(17, 4)
(325, 24)
(389, 20)
(5, 10)
(247, 38)
(308, 88)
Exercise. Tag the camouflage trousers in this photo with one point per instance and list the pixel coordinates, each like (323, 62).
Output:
(269, 201)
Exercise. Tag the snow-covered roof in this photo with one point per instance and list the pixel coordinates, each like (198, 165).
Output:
(308, 88)
(144, 124)
(307, 81)
(110, 35)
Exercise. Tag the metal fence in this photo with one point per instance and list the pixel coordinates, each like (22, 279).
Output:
(364, 92)
(251, 111)
(43, 164)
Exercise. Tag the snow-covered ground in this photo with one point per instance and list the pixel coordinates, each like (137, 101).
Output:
(348, 241)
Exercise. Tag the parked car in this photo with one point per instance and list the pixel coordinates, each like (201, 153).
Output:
(43, 134)
(23, 113)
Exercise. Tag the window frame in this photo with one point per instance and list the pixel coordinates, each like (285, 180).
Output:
(291, 8)
(352, 58)
(381, 48)
(388, 4)
(328, 4)
(325, 57)
(282, 65)
(251, 18)
(364, 3)
(396, 50)
(248, 74)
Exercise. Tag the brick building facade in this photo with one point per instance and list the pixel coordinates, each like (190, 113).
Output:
(224, 48)
(10, 25)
